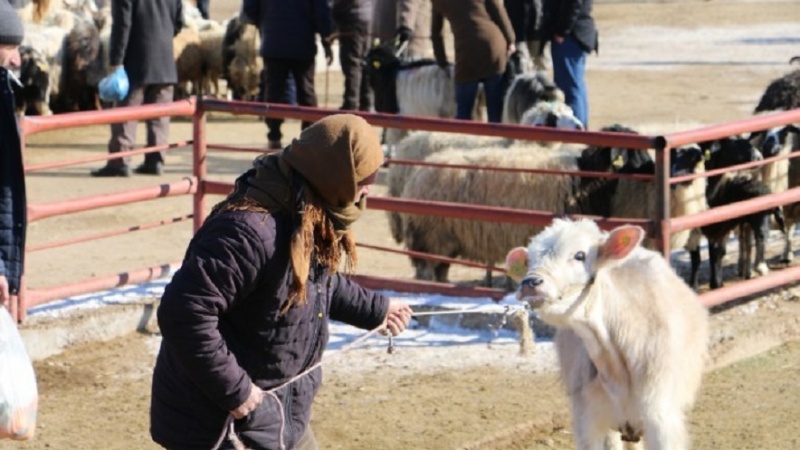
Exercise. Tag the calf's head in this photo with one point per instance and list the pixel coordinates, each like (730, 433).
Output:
(562, 261)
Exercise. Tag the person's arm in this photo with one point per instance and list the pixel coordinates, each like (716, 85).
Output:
(497, 12)
(566, 17)
(221, 267)
(407, 19)
(121, 16)
(366, 309)
(323, 23)
(437, 24)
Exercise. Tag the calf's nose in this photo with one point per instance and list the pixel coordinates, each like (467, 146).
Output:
(528, 284)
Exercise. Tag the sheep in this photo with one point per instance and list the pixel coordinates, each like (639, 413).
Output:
(631, 336)
(47, 45)
(419, 145)
(782, 93)
(526, 90)
(82, 70)
(188, 61)
(483, 241)
(241, 62)
(773, 142)
(211, 36)
(726, 189)
(33, 97)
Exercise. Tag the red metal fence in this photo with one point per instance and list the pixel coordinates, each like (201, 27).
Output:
(661, 227)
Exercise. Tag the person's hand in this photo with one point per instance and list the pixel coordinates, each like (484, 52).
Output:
(249, 405)
(511, 48)
(326, 46)
(398, 317)
(404, 34)
(558, 38)
(4, 295)
(113, 69)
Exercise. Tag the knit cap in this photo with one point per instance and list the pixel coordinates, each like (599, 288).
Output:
(11, 30)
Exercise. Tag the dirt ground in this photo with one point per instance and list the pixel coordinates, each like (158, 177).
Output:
(665, 63)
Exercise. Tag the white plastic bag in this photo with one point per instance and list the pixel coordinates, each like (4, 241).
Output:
(18, 395)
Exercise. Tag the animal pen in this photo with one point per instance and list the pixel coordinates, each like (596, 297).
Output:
(661, 227)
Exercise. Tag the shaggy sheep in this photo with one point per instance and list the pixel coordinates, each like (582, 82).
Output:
(782, 93)
(241, 62)
(47, 43)
(188, 61)
(526, 90)
(83, 68)
(419, 145)
(33, 97)
(211, 36)
(631, 336)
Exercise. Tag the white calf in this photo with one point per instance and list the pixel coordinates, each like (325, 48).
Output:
(631, 335)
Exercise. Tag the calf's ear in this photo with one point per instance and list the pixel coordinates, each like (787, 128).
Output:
(621, 242)
(517, 263)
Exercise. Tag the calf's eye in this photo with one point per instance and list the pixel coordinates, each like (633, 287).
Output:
(580, 256)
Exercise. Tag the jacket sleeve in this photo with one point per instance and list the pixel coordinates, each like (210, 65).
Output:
(437, 24)
(567, 16)
(499, 16)
(221, 266)
(356, 305)
(121, 16)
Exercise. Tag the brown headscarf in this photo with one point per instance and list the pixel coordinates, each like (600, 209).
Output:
(333, 155)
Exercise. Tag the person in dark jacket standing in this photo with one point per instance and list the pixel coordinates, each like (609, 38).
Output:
(288, 47)
(483, 40)
(245, 319)
(569, 27)
(526, 19)
(352, 20)
(141, 41)
(12, 176)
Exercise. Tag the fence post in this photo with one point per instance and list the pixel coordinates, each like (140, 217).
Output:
(663, 230)
(17, 304)
(199, 162)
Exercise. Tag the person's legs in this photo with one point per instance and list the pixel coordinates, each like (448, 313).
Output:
(569, 64)
(494, 89)
(352, 47)
(465, 99)
(303, 74)
(276, 72)
(123, 137)
(157, 129)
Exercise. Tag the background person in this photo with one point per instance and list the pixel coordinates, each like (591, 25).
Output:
(569, 27)
(13, 218)
(352, 20)
(141, 41)
(483, 39)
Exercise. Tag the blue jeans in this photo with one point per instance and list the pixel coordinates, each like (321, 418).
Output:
(466, 93)
(569, 65)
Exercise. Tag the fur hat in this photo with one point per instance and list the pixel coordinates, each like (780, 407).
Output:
(11, 30)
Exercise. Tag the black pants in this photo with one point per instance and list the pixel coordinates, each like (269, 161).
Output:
(278, 70)
(353, 47)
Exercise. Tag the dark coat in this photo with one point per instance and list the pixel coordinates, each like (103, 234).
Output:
(13, 220)
(482, 33)
(570, 18)
(526, 18)
(141, 39)
(289, 27)
(222, 327)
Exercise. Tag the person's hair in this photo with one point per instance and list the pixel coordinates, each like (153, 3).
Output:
(318, 236)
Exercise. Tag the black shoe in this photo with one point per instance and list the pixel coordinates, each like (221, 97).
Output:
(156, 168)
(112, 171)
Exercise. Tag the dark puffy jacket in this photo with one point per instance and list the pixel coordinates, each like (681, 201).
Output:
(12, 189)
(289, 28)
(222, 327)
(570, 17)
